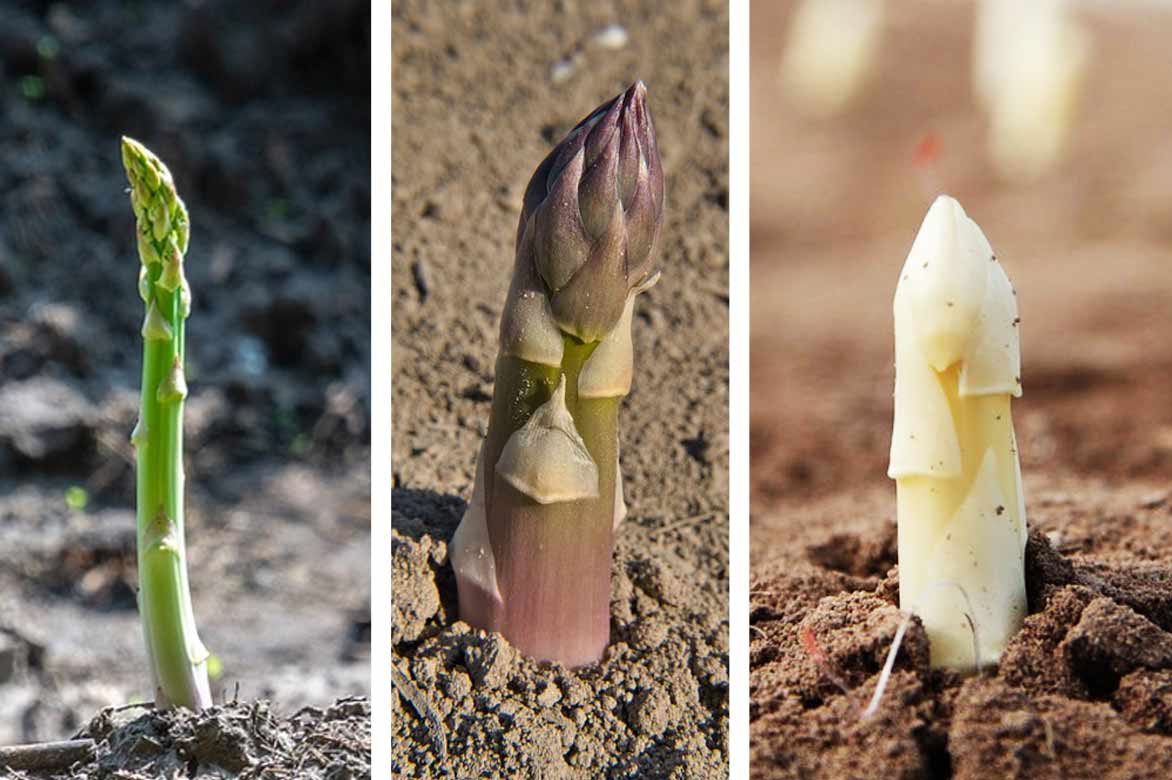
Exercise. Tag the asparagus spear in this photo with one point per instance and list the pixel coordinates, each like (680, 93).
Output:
(177, 657)
(1030, 62)
(532, 554)
(961, 510)
(830, 53)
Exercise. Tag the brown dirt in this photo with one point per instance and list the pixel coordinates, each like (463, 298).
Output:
(1084, 689)
(477, 106)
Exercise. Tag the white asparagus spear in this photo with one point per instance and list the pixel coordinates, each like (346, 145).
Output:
(830, 49)
(1029, 64)
(962, 523)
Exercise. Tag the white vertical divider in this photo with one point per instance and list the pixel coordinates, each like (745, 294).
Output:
(738, 179)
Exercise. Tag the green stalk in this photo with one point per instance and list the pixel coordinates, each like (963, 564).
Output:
(177, 658)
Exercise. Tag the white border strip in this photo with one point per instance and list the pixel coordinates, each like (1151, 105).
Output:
(738, 350)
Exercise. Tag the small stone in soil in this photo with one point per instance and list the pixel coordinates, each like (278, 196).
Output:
(420, 276)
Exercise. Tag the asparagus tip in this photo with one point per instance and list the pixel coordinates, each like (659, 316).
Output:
(596, 204)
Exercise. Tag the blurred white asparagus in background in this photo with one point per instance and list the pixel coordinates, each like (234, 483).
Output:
(1029, 64)
(829, 52)
(962, 523)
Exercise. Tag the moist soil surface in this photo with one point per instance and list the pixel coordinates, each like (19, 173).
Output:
(482, 92)
(263, 118)
(1085, 689)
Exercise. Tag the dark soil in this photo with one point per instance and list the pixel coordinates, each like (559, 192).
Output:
(1085, 689)
(262, 112)
(234, 740)
(481, 94)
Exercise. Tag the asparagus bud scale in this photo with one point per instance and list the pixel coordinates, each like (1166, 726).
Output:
(962, 523)
(532, 554)
(177, 658)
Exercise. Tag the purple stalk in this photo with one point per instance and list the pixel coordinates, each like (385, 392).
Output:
(532, 554)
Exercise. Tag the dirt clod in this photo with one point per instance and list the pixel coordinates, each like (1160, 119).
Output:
(1144, 699)
(1111, 640)
(419, 601)
(491, 661)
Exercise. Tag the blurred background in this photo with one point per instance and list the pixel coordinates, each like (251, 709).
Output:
(262, 112)
(1064, 158)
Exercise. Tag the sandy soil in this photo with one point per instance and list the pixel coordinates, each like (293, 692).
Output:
(265, 125)
(835, 207)
(481, 94)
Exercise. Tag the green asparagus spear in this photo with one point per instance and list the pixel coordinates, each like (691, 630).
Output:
(532, 555)
(177, 657)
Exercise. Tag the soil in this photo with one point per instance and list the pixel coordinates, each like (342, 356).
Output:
(262, 112)
(233, 740)
(1085, 689)
(481, 93)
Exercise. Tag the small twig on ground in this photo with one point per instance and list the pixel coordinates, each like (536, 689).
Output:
(681, 524)
(888, 665)
(425, 711)
(137, 705)
(46, 755)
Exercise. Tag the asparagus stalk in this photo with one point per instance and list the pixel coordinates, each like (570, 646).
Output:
(830, 51)
(177, 657)
(532, 554)
(1029, 64)
(962, 521)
